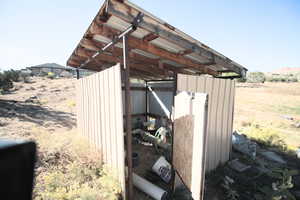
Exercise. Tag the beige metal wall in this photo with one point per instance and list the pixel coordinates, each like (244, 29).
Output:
(220, 114)
(100, 117)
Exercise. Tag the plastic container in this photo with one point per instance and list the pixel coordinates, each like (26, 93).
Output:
(163, 168)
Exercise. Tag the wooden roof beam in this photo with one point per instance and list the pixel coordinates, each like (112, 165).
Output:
(126, 13)
(104, 57)
(185, 52)
(150, 37)
(148, 47)
(146, 60)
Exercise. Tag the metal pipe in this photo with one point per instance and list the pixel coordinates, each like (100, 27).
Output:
(162, 105)
(138, 19)
(152, 190)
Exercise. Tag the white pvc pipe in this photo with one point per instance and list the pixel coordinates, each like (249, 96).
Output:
(152, 190)
(162, 105)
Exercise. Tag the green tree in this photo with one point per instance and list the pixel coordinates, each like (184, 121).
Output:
(256, 77)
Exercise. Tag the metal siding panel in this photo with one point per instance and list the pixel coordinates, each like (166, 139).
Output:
(100, 117)
(98, 132)
(103, 121)
(220, 120)
(231, 116)
(119, 125)
(107, 116)
(181, 82)
(192, 83)
(224, 121)
(220, 111)
(113, 117)
(209, 83)
(92, 95)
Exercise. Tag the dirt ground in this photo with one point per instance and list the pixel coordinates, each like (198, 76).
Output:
(50, 105)
(41, 104)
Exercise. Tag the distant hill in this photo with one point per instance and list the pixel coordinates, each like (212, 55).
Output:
(287, 70)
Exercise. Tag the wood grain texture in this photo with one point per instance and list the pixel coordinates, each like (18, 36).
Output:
(183, 147)
(189, 150)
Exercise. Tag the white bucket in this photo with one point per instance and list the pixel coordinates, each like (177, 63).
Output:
(163, 168)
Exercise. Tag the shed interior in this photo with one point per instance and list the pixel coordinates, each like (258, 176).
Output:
(152, 103)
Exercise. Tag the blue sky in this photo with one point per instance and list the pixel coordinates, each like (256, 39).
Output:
(260, 35)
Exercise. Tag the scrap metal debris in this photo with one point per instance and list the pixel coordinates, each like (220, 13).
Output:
(242, 144)
(270, 155)
(238, 166)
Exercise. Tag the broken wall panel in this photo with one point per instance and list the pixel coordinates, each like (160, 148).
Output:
(190, 140)
(220, 114)
(100, 117)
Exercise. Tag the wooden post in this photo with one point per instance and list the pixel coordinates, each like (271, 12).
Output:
(128, 118)
(77, 73)
(172, 133)
(146, 94)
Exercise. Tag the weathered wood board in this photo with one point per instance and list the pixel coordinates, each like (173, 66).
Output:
(189, 150)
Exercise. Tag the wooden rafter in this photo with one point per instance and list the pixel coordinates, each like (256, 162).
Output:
(125, 12)
(105, 57)
(116, 51)
(136, 43)
(150, 37)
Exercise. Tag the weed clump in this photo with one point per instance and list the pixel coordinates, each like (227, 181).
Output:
(69, 169)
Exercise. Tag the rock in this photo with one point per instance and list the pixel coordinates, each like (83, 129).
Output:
(273, 157)
(287, 117)
(31, 99)
(297, 125)
(238, 166)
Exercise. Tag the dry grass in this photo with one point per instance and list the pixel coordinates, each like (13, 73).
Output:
(266, 105)
(68, 168)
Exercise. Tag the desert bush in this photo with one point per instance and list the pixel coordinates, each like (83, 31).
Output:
(266, 136)
(76, 181)
(24, 77)
(69, 169)
(256, 77)
(12, 75)
(278, 190)
(5, 82)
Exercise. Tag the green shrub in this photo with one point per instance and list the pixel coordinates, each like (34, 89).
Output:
(256, 77)
(266, 136)
(278, 190)
(5, 82)
(12, 75)
(24, 77)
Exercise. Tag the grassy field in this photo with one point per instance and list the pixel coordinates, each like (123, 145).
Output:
(263, 109)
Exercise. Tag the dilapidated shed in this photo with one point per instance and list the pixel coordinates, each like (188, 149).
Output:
(125, 42)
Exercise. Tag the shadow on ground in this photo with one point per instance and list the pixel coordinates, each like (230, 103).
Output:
(35, 113)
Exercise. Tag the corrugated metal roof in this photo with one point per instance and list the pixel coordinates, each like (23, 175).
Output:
(165, 42)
